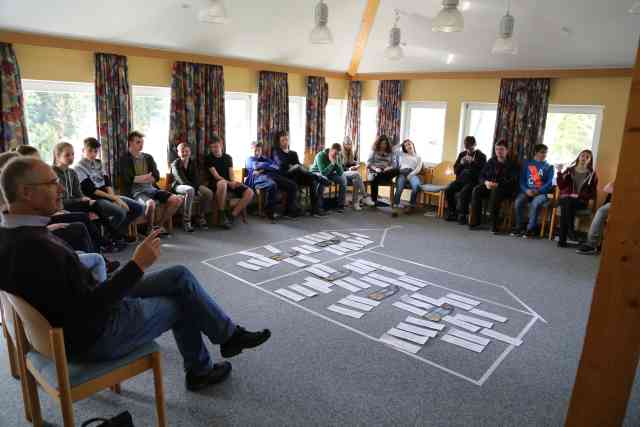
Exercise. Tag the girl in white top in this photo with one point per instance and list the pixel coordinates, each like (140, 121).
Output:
(352, 174)
(410, 165)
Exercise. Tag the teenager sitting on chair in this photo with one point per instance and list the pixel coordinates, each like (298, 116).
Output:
(328, 165)
(219, 169)
(596, 231)
(106, 322)
(467, 168)
(352, 174)
(381, 167)
(409, 168)
(140, 175)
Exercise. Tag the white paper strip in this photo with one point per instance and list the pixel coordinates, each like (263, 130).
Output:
(501, 337)
(418, 339)
(318, 287)
(456, 303)
(460, 324)
(326, 268)
(352, 246)
(346, 311)
(318, 272)
(360, 235)
(488, 315)
(347, 286)
(320, 282)
(416, 303)
(462, 343)
(303, 251)
(308, 259)
(306, 241)
(355, 304)
(272, 249)
(469, 337)
(251, 254)
(365, 262)
(291, 295)
(394, 282)
(463, 299)
(363, 266)
(361, 240)
(294, 262)
(409, 308)
(399, 344)
(355, 269)
(357, 282)
(375, 281)
(259, 262)
(412, 280)
(427, 323)
(325, 236)
(314, 239)
(364, 300)
(333, 251)
(248, 266)
(342, 248)
(311, 249)
(417, 330)
(425, 298)
(344, 236)
(302, 290)
(474, 321)
(382, 267)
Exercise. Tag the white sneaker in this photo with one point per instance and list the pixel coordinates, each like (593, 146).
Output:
(367, 201)
(357, 207)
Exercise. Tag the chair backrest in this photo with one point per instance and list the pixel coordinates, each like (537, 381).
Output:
(244, 174)
(443, 173)
(36, 328)
(427, 174)
(6, 313)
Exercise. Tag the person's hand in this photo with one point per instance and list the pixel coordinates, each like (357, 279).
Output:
(388, 168)
(488, 185)
(559, 167)
(118, 201)
(233, 184)
(85, 199)
(354, 168)
(530, 193)
(54, 227)
(148, 251)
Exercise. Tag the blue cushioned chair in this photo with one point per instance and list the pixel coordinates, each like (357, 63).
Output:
(43, 361)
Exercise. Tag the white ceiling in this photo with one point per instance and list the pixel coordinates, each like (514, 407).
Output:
(601, 32)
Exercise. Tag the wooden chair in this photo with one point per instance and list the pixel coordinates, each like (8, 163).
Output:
(436, 180)
(43, 361)
(391, 184)
(7, 323)
(588, 212)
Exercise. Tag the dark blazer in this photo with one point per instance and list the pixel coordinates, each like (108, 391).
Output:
(128, 171)
(182, 176)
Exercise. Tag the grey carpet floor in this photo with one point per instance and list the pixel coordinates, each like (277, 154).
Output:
(314, 372)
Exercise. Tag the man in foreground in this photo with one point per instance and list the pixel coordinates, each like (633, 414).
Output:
(108, 321)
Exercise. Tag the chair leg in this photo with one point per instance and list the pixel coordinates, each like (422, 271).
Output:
(116, 389)
(13, 358)
(34, 400)
(552, 225)
(545, 218)
(67, 410)
(157, 382)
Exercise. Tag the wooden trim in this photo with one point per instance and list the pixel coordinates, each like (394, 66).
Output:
(502, 74)
(128, 50)
(363, 36)
(611, 350)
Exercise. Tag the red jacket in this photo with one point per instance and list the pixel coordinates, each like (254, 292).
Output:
(567, 185)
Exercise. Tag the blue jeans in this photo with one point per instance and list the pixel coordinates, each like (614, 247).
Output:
(94, 263)
(402, 182)
(117, 218)
(166, 299)
(535, 204)
(341, 181)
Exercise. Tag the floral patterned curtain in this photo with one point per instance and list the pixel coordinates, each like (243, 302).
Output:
(317, 97)
(197, 107)
(273, 105)
(352, 121)
(113, 110)
(522, 114)
(389, 101)
(13, 131)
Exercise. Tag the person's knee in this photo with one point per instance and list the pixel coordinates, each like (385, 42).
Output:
(151, 204)
(190, 192)
(176, 201)
(221, 185)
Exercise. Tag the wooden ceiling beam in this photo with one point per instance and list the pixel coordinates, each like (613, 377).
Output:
(368, 18)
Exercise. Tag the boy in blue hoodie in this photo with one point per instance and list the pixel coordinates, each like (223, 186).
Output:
(536, 181)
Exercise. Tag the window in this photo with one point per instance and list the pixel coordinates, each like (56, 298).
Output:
(59, 111)
(151, 112)
(424, 124)
(297, 124)
(479, 121)
(240, 110)
(368, 128)
(334, 126)
(571, 129)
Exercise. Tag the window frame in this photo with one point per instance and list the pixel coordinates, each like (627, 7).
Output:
(367, 103)
(465, 120)
(405, 126)
(597, 110)
(156, 92)
(342, 111)
(301, 101)
(252, 118)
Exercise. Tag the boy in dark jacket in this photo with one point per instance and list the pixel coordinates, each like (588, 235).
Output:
(467, 169)
(498, 182)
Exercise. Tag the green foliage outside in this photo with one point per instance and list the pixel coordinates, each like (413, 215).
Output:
(567, 135)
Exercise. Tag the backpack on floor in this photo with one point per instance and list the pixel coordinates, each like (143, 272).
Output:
(121, 420)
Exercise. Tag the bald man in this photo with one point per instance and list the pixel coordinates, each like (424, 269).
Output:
(92, 317)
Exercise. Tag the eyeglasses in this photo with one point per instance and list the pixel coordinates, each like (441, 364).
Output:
(55, 181)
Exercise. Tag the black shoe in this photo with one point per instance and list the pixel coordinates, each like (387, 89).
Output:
(380, 204)
(340, 210)
(319, 214)
(531, 234)
(563, 245)
(517, 232)
(474, 226)
(217, 374)
(111, 265)
(587, 250)
(451, 217)
(242, 339)
(462, 219)
(225, 223)
(495, 230)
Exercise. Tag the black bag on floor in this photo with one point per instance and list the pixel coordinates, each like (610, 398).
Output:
(121, 420)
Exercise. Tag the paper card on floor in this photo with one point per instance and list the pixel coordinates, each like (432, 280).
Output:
(357, 282)
(347, 286)
(360, 235)
(417, 330)
(250, 254)
(412, 280)
(415, 302)
(455, 303)
(469, 337)
(460, 324)
(291, 295)
(409, 308)
(345, 311)
(344, 236)
(303, 251)
(392, 270)
(399, 333)
(306, 241)
(294, 262)
(394, 282)
(351, 303)
(248, 266)
(402, 345)
(325, 236)
(307, 259)
(425, 298)
(333, 251)
(302, 290)
(375, 281)
(326, 268)
(315, 238)
(488, 315)
(426, 323)
(463, 299)
(318, 272)
(352, 246)
(474, 321)
(501, 337)
(317, 285)
(369, 263)
(364, 300)
(341, 248)
(272, 249)
(361, 240)
(363, 267)
(462, 343)
(311, 249)
(269, 260)
(355, 269)
(259, 262)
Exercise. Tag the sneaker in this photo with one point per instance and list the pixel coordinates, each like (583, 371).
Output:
(188, 227)
(242, 339)
(340, 210)
(367, 201)
(495, 230)
(394, 213)
(319, 214)
(225, 223)
(531, 234)
(451, 216)
(380, 204)
(163, 231)
(273, 217)
(202, 223)
(563, 245)
(587, 250)
(517, 232)
(218, 373)
(474, 226)
(357, 207)
(462, 219)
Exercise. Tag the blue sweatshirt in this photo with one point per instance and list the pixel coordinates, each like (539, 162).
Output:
(537, 176)
(261, 163)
